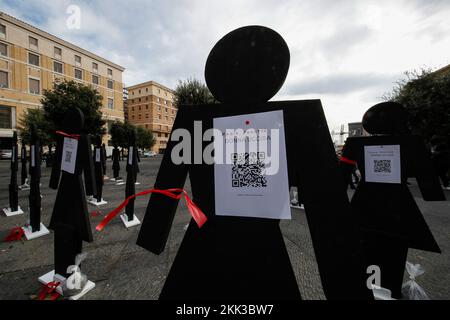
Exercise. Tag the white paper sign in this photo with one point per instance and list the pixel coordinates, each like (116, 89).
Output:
(130, 156)
(33, 156)
(97, 155)
(382, 164)
(250, 169)
(69, 155)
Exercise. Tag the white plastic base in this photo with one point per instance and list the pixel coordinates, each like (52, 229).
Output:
(131, 223)
(33, 235)
(95, 203)
(380, 293)
(120, 183)
(24, 187)
(116, 180)
(50, 276)
(105, 178)
(10, 213)
(137, 183)
(298, 207)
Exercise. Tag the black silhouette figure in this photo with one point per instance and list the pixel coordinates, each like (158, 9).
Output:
(116, 164)
(70, 218)
(13, 187)
(132, 170)
(104, 156)
(23, 159)
(98, 157)
(387, 214)
(241, 257)
(35, 181)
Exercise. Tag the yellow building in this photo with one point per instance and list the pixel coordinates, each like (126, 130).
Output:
(151, 105)
(32, 59)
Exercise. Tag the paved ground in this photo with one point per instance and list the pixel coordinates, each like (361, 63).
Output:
(122, 270)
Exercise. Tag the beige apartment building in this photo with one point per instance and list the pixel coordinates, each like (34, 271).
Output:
(151, 105)
(31, 60)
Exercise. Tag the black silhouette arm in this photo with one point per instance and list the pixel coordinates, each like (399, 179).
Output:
(87, 165)
(161, 209)
(56, 165)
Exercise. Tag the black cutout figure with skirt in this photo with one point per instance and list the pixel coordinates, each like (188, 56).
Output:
(388, 216)
(70, 217)
(242, 257)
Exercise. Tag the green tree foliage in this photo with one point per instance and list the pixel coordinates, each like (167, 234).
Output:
(144, 138)
(34, 117)
(119, 133)
(426, 95)
(192, 91)
(70, 94)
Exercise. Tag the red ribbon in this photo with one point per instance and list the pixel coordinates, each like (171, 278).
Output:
(49, 289)
(176, 194)
(14, 235)
(68, 135)
(348, 161)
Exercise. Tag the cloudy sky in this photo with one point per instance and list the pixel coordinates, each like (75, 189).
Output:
(347, 53)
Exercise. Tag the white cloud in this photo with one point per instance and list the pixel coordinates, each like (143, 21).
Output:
(347, 53)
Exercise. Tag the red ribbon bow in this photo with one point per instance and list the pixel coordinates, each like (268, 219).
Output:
(49, 289)
(14, 235)
(68, 135)
(176, 194)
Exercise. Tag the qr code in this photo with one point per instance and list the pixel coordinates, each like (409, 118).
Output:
(382, 166)
(248, 170)
(68, 156)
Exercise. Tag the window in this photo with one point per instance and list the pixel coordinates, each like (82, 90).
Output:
(146, 98)
(146, 126)
(110, 103)
(33, 59)
(139, 101)
(3, 49)
(159, 108)
(139, 91)
(139, 117)
(166, 110)
(159, 91)
(159, 116)
(146, 115)
(5, 117)
(110, 72)
(34, 86)
(57, 67)
(146, 107)
(79, 74)
(166, 118)
(132, 109)
(33, 42)
(4, 83)
(94, 67)
(139, 108)
(157, 99)
(2, 31)
(95, 79)
(78, 61)
(110, 84)
(146, 89)
(57, 52)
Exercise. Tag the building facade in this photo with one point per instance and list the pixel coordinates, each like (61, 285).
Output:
(31, 60)
(151, 105)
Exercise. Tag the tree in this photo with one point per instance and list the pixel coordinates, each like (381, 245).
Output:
(70, 94)
(192, 91)
(426, 96)
(119, 134)
(144, 138)
(34, 117)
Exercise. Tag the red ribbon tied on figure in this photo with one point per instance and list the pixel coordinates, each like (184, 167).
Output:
(176, 194)
(49, 289)
(14, 235)
(348, 161)
(68, 135)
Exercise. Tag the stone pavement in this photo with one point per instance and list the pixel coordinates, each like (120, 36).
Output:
(122, 270)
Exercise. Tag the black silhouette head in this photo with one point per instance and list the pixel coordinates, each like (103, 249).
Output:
(248, 64)
(14, 140)
(73, 121)
(131, 137)
(386, 118)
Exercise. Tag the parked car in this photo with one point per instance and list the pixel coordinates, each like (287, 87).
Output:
(149, 154)
(5, 154)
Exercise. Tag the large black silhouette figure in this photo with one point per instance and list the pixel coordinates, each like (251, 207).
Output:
(116, 164)
(387, 214)
(70, 218)
(104, 158)
(246, 258)
(23, 159)
(13, 187)
(35, 181)
(98, 157)
(132, 171)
